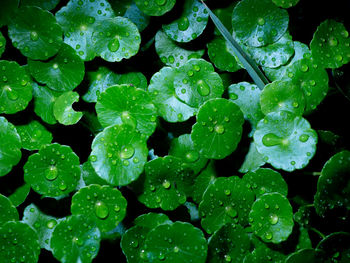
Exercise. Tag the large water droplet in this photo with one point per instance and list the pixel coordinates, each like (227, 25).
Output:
(333, 41)
(303, 137)
(113, 45)
(219, 129)
(11, 94)
(228, 258)
(268, 235)
(271, 139)
(51, 173)
(183, 24)
(273, 219)
(34, 36)
(203, 88)
(127, 152)
(101, 210)
(166, 184)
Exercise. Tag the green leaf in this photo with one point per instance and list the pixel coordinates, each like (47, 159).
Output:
(10, 146)
(300, 51)
(258, 22)
(43, 224)
(264, 253)
(104, 205)
(20, 195)
(116, 38)
(162, 92)
(155, 7)
(312, 79)
(303, 215)
(225, 16)
(196, 82)
(286, 141)
(253, 160)
(190, 24)
(8, 210)
(282, 96)
(80, 244)
(218, 129)
(79, 19)
(330, 45)
(44, 4)
(333, 186)
(222, 55)
(63, 72)
(171, 53)
(135, 15)
(7, 10)
(247, 97)
(285, 3)
(253, 70)
(90, 176)
(271, 218)
(15, 87)
(44, 100)
(19, 243)
(54, 171)
(127, 104)
(132, 242)
(304, 240)
(118, 154)
(334, 247)
(63, 111)
(221, 248)
(2, 44)
(166, 184)
(187, 244)
(38, 38)
(264, 181)
(202, 182)
(182, 147)
(227, 200)
(33, 135)
(275, 54)
(302, 256)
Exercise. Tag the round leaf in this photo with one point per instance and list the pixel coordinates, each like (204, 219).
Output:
(80, 244)
(197, 82)
(333, 186)
(33, 135)
(162, 91)
(119, 154)
(116, 38)
(54, 171)
(15, 88)
(127, 104)
(264, 181)
(222, 55)
(285, 3)
(312, 79)
(43, 224)
(218, 129)
(302, 256)
(190, 24)
(63, 111)
(102, 204)
(330, 45)
(259, 22)
(271, 217)
(286, 141)
(10, 146)
(166, 184)
(79, 19)
(177, 242)
(227, 200)
(155, 7)
(182, 147)
(8, 210)
(171, 53)
(282, 96)
(229, 244)
(44, 4)
(63, 72)
(19, 243)
(38, 38)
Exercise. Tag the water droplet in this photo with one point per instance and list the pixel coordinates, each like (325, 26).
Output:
(51, 173)
(304, 68)
(93, 158)
(171, 59)
(127, 152)
(190, 73)
(219, 129)
(228, 258)
(192, 156)
(271, 139)
(134, 243)
(339, 58)
(117, 208)
(91, 20)
(51, 224)
(101, 210)
(231, 212)
(197, 68)
(62, 186)
(273, 219)
(268, 235)
(161, 256)
(333, 41)
(176, 249)
(203, 88)
(113, 44)
(303, 137)
(183, 24)
(227, 192)
(295, 104)
(261, 21)
(233, 96)
(166, 184)
(34, 36)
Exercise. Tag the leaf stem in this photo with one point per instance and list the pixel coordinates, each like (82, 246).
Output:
(317, 232)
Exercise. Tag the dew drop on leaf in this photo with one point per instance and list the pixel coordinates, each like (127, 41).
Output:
(51, 173)
(271, 139)
(183, 24)
(127, 152)
(113, 45)
(101, 210)
(304, 137)
(273, 219)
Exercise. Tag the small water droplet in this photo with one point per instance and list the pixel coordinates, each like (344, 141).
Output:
(62, 186)
(268, 235)
(303, 137)
(219, 129)
(166, 184)
(101, 210)
(273, 219)
(134, 243)
(183, 24)
(176, 249)
(113, 44)
(51, 173)
(127, 152)
(333, 41)
(304, 68)
(231, 212)
(34, 36)
(93, 158)
(261, 21)
(192, 156)
(271, 139)
(228, 258)
(203, 88)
